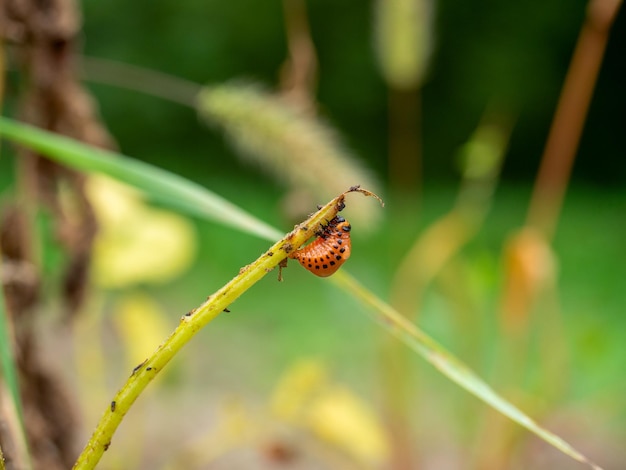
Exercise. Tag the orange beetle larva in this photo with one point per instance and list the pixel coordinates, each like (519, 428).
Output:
(328, 251)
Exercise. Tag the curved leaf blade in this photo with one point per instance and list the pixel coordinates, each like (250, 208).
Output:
(160, 185)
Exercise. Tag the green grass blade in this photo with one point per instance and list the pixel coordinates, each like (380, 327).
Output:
(446, 363)
(159, 185)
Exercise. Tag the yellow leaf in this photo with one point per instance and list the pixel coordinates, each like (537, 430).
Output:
(136, 243)
(306, 398)
(345, 420)
(142, 326)
(297, 387)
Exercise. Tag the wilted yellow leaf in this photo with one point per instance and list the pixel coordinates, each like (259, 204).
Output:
(141, 324)
(345, 420)
(136, 243)
(307, 398)
(297, 387)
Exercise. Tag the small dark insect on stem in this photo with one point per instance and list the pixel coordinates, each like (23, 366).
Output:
(281, 265)
(138, 367)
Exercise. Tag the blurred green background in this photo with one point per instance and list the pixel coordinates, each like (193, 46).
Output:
(514, 55)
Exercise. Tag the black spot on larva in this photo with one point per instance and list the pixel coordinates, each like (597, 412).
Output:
(324, 266)
(342, 250)
(317, 266)
(310, 265)
(332, 263)
(327, 256)
(337, 257)
(340, 241)
(335, 247)
(331, 252)
(346, 228)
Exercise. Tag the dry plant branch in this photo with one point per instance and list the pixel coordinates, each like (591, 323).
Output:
(567, 126)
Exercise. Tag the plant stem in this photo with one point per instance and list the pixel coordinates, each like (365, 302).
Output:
(191, 323)
(570, 115)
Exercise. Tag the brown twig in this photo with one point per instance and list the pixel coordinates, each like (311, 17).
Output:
(567, 126)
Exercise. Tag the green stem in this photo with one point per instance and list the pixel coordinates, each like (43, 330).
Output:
(190, 324)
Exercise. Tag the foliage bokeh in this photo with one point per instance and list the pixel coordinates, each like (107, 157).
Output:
(514, 55)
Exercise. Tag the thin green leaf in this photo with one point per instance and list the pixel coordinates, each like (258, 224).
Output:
(446, 363)
(160, 185)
